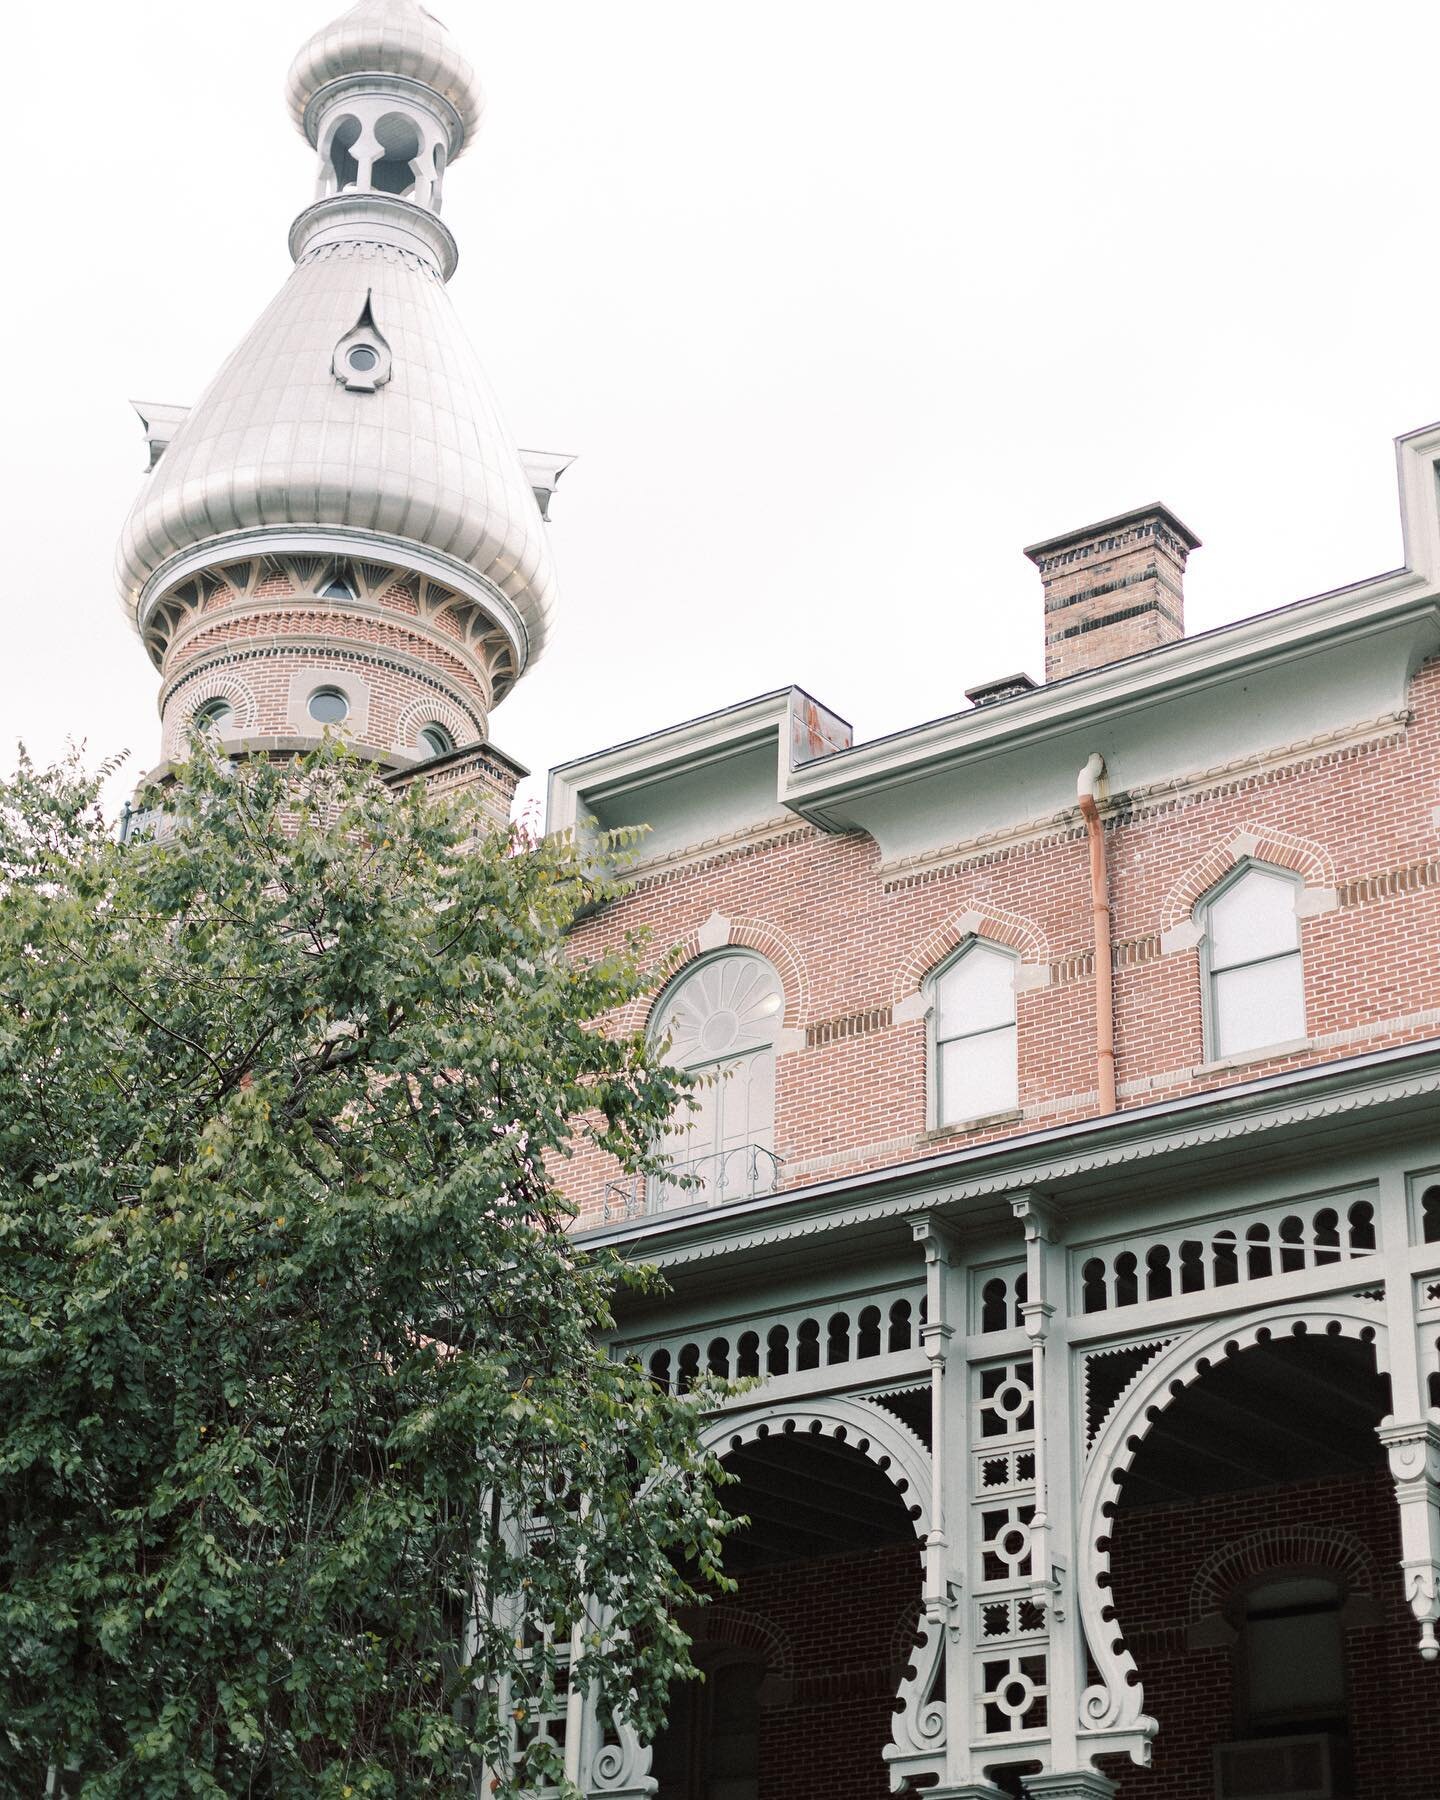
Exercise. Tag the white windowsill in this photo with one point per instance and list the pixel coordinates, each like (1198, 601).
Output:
(1265, 1053)
(981, 1122)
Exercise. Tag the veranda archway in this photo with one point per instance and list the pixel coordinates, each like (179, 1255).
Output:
(1112, 1709)
(837, 1492)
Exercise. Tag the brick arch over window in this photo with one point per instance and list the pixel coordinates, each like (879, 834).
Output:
(1319, 1547)
(993, 924)
(435, 711)
(1256, 842)
(237, 694)
(732, 1628)
(721, 933)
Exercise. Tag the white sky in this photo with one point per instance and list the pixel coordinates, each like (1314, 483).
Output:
(840, 304)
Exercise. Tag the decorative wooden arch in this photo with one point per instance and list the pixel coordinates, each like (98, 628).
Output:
(1114, 1706)
(917, 1743)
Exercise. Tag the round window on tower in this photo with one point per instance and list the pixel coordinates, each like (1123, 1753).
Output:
(328, 706)
(435, 740)
(362, 359)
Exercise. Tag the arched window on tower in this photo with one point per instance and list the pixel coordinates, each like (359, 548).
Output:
(344, 170)
(723, 1018)
(974, 1047)
(1254, 983)
(393, 171)
(215, 717)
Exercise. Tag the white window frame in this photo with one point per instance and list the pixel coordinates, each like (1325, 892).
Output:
(1209, 971)
(713, 1068)
(935, 1098)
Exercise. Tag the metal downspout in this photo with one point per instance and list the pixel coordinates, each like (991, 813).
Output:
(1087, 792)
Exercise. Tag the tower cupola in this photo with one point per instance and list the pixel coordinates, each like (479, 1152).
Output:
(387, 101)
(341, 534)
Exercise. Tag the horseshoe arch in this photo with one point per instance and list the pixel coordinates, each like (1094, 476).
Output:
(1112, 1712)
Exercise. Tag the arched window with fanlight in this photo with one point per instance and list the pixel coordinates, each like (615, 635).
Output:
(974, 1048)
(1254, 982)
(722, 1018)
(215, 717)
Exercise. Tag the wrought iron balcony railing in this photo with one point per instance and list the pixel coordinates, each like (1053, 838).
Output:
(741, 1173)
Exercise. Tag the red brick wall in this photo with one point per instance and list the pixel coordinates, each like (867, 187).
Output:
(833, 1634)
(1357, 818)
(1394, 1698)
(412, 671)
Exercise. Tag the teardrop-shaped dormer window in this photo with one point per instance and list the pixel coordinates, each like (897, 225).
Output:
(361, 361)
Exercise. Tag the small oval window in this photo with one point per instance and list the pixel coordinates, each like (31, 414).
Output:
(437, 740)
(362, 358)
(328, 706)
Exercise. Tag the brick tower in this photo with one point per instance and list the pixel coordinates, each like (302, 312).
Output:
(341, 533)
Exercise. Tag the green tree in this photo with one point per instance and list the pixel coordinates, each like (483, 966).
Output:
(299, 1379)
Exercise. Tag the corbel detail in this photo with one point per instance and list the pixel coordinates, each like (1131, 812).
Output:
(1414, 1453)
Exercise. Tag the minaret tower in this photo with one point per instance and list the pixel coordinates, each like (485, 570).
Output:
(340, 532)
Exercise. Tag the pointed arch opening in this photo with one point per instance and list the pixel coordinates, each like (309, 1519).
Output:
(974, 1039)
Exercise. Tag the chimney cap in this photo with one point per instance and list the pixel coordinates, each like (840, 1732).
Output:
(1156, 510)
(1006, 687)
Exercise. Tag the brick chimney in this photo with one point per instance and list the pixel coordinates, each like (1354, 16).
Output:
(1113, 589)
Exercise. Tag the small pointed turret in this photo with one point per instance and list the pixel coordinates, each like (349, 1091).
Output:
(341, 529)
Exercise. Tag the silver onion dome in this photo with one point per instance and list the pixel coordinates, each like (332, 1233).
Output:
(389, 37)
(279, 449)
(354, 419)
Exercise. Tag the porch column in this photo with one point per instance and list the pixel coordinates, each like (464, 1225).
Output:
(1053, 1555)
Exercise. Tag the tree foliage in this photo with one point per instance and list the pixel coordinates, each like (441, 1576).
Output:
(300, 1388)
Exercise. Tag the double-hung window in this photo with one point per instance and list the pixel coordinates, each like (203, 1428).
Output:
(975, 1048)
(1255, 991)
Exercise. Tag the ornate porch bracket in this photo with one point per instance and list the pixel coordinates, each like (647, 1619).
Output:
(1414, 1453)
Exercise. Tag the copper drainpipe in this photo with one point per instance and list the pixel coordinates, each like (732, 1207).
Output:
(1086, 789)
